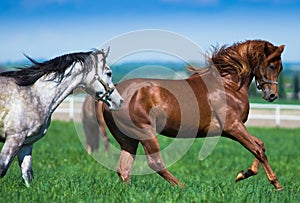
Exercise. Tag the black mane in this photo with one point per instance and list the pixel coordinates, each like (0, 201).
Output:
(58, 65)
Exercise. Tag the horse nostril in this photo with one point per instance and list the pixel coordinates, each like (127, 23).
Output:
(121, 103)
(273, 96)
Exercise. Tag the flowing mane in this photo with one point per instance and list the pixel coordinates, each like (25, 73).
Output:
(240, 58)
(58, 65)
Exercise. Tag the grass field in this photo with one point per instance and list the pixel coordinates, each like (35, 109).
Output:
(64, 172)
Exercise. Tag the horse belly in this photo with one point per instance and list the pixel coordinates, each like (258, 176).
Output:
(185, 131)
(185, 122)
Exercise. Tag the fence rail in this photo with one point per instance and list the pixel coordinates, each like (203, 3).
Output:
(277, 113)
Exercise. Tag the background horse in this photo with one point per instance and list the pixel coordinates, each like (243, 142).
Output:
(91, 113)
(29, 96)
(209, 103)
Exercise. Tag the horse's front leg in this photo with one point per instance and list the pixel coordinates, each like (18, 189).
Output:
(125, 164)
(253, 170)
(239, 132)
(11, 147)
(25, 162)
(127, 156)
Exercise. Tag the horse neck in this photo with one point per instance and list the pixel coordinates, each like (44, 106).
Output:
(233, 81)
(247, 82)
(251, 57)
(52, 93)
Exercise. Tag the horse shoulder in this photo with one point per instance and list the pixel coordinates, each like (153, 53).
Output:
(20, 111)
(237, 107)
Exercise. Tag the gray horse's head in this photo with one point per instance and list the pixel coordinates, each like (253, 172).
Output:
(98, 81)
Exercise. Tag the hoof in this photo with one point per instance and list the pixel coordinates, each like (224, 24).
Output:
(28, 177)
(89, 149)
(181, 185)
(279, 188)
(125, 179)
(240, 176)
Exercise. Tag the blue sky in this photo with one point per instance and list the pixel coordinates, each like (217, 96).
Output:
(48, 28)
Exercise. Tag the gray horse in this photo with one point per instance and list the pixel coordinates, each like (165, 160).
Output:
(30, 95)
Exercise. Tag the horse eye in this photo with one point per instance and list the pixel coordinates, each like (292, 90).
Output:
(271, 66)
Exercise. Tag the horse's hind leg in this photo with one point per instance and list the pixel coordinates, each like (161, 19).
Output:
(101, 123)
(25, 162)
(253, 170)
(152, 149)
(91, 131)
(103, 134)
(105, 138)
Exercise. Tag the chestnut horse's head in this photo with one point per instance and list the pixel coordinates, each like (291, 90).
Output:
(266, 74)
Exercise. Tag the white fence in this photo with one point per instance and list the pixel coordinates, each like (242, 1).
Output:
(279, 115)
(69, 109)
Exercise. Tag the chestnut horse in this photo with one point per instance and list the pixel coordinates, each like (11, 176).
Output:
(168, 107)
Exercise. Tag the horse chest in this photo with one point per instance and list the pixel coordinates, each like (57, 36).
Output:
(39, 125)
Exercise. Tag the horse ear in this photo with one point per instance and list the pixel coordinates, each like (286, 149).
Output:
(276, 53)
(281, 48)
(266, 48)
(107, 52)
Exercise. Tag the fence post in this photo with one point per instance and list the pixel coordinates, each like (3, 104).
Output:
(277, 115)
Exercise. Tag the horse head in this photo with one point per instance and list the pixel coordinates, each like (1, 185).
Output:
(99, 80)
(267, 73)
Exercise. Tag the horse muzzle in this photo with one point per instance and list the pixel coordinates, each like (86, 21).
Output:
(112, 99)
(269, 95)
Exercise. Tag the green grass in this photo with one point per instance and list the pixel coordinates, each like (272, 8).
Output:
(64, 172)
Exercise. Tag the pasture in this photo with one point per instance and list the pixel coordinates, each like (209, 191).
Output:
(64, 172)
